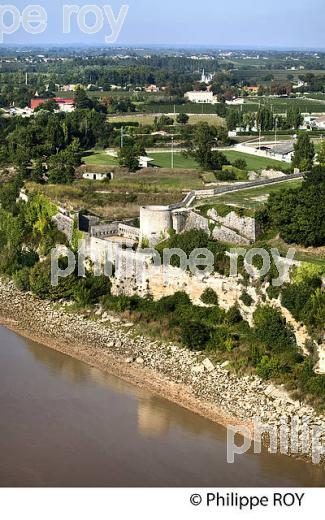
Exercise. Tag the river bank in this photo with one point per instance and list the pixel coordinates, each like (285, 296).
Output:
(186, 378)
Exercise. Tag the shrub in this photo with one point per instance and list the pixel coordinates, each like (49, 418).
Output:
(220, 338)
(40, 281)
(241, 164)
(209, 297)
(234, 316)
(225, 175)
(21, 279)
(271, 329)
(247, 299)
(306, 302)
(29, 258)
(88, 290)
(268, 367)
(273, 292)
(195, 335)
(255, 354)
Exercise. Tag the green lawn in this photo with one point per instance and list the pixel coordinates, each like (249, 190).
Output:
(164, 160)
(100, 159)
(253, 162)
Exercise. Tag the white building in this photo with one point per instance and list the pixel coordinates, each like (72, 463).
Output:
(319, 123)
(236, 101)
(282, 151)
(94, 176)
(201, 97)
(145, 162)
(206, 78)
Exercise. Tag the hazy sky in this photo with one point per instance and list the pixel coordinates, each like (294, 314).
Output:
(270, 23)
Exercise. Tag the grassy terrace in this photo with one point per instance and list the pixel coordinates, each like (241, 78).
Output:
(100, 158)
(252, 198)
(163, 160)
(121, 197)
(253, 162)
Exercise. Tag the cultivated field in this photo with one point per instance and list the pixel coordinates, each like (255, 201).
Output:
(148, 119)
(281, 105)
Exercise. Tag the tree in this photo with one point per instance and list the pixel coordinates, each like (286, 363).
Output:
(299, 214)
(200, 147)
(11, 237)
(61, 167)
(209, 297)
(321, 153)
(233, 119)
(249, 120)
(81, 100)
(201, 144)
(55, 139)
(304, 153)
(294, 117)
(241, 164)
(162, 121)
(38, 171)
(265, 120)
(50, 105)
(9, 193)
(128, 157)
(270, 327)
(182, 119)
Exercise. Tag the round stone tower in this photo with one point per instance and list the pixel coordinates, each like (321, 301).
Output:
(155, 221)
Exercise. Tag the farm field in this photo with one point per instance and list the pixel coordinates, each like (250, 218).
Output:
(184, 108)
(258, 74)
(317, 95)
(148, 119)
(281, 105)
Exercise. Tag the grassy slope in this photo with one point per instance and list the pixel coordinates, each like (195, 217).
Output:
(249, 198)
(253, 162)
(163, 160)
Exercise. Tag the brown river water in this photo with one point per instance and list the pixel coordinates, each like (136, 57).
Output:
(63, 423)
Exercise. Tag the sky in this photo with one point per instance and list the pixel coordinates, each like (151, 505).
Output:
(239, 23)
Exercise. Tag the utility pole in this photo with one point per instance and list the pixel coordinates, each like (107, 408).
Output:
(172, 157)
(122, 136)
(276, 127)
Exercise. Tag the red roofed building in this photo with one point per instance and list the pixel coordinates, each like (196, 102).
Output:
(64, 104)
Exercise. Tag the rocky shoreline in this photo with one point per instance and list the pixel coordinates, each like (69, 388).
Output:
(189, 379)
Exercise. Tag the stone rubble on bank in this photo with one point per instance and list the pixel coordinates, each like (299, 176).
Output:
(243, 398)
